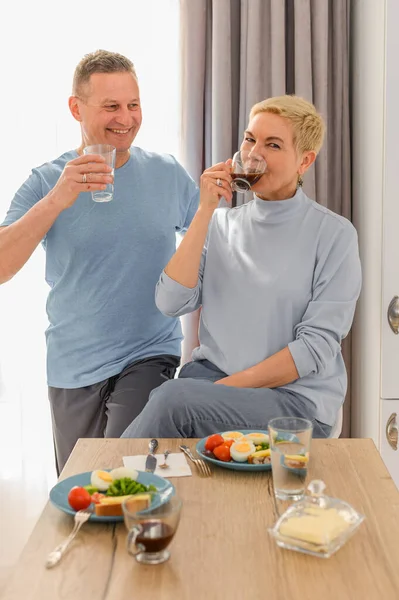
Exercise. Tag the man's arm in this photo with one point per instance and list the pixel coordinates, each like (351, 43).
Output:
(19, 239)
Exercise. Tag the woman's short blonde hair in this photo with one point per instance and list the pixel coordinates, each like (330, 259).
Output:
(308, 125)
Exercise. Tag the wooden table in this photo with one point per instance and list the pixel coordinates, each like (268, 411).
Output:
(222, 549)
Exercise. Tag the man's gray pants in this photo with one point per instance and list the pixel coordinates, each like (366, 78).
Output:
(106, 408)
(193, 407)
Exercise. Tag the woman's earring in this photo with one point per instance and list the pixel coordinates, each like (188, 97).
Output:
(300, 181)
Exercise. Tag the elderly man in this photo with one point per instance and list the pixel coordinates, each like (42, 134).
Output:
(107, 344)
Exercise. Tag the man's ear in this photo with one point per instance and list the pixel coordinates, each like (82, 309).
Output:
(308, 159)
(73, 103)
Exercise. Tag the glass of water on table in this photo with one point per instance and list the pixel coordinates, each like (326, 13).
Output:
(290, 439)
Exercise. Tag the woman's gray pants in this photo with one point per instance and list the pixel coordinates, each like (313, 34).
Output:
(193, 407)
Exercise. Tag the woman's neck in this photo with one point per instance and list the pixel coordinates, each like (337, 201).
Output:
(283, 194)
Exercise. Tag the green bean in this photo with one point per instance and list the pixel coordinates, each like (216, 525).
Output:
(128, 487)
(91, 489)
(112, 490)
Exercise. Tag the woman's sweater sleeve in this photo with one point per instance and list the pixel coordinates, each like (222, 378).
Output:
(174, 299)
(329, 314)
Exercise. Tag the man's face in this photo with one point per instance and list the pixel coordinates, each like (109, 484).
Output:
(109, 110)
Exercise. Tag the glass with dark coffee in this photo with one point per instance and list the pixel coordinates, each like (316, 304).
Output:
(152, 528)
(247, 169)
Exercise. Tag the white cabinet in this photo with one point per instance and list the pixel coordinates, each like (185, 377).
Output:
(375, 87)
(389, 437)
(389, 393)
(390, 215)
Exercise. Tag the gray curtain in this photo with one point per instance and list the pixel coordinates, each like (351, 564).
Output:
(238, 52)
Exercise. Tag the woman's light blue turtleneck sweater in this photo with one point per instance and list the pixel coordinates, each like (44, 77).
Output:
(276, 274)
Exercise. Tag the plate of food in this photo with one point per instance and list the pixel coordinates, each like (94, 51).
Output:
(105, 489)
(244, 450)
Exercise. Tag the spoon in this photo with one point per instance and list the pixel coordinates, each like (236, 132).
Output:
(164, 465)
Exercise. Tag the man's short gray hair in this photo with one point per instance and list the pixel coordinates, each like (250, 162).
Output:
(100, 61)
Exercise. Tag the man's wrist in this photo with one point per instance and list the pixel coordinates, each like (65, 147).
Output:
(53, 203)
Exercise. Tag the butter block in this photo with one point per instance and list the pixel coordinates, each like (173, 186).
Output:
(316, 526)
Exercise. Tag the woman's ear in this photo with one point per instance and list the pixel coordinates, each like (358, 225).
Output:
(73, 103)
(308, 159)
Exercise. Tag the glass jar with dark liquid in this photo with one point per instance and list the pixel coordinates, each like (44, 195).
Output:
(154, 535)
(151, 529)
(246, 171)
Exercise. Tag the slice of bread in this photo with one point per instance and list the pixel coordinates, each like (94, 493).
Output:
(111, 506)
(138, 502)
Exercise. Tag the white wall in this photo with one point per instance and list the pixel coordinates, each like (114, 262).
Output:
(368, 85)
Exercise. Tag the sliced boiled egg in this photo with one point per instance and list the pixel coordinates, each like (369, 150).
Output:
(101, 480)
(122, 472)
(257, 438)
(232, 435)
(240, 450)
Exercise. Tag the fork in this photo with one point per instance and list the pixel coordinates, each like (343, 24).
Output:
(55, 556)
(201, 465)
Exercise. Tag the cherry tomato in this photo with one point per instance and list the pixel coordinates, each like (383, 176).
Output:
(96, 497)
(213, 441)
(222, 452)
(229, 443)
(79, 498)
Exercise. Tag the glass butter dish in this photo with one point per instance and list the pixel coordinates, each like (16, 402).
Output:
(316, 524)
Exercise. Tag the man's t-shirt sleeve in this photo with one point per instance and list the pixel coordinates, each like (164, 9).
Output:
(188, 198)
(27, 196)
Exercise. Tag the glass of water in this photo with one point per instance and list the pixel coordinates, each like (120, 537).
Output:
(290, 439)
(109, 153)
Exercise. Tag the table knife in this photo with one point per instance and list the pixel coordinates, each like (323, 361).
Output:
(151, 461)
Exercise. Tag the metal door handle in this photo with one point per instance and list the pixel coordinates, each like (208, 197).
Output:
(392, 431)
(393, 314)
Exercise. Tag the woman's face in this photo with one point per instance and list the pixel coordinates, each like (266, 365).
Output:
(271, 137)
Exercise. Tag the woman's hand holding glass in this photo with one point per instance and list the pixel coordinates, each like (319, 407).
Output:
(215, 183)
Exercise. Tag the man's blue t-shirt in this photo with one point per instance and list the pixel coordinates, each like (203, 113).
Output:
(103, 261)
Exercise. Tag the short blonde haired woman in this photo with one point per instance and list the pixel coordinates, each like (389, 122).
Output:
(277, 278)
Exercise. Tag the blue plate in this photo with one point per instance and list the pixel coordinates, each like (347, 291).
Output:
(236, 466)
(59, 493)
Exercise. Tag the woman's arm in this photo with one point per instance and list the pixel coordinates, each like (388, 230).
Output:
(178, 291)
(277, 370)
(184, 265)
(326, 322)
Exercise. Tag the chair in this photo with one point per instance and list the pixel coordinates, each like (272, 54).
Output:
(337, 427)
